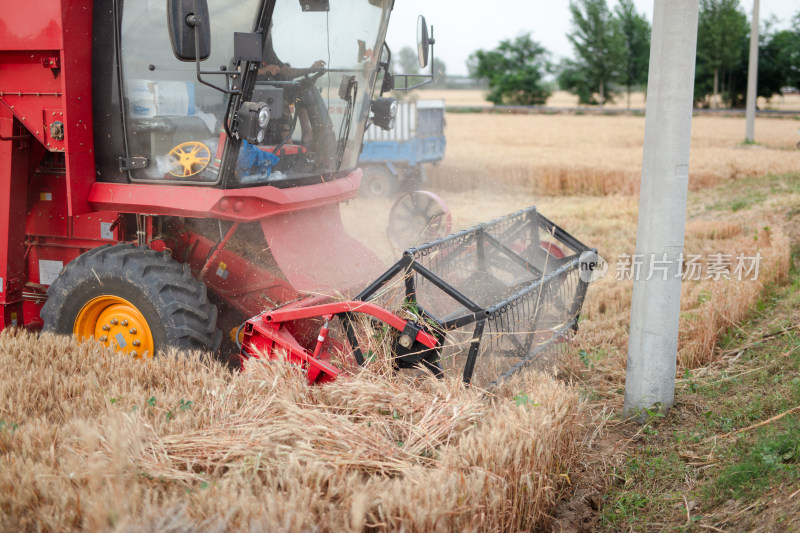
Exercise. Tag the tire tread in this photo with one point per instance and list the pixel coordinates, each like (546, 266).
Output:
(181, 300)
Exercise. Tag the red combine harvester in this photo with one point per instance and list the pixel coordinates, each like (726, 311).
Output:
(169, 169)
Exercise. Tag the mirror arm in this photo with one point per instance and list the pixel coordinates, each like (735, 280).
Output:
(388, 62)
(385, 65)
(227, 118)
(428, 80)
(227, 75)
(427, 77)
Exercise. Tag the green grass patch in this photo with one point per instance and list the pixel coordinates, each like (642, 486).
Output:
(773, 458)
(736, 195)
(692, 451)
(623, 510)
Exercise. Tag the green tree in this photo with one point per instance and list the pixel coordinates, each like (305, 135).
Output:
(634, 29)
(439, 74)
(723, 38)
(514, 71)
(599, 50)
(406, 61)
(573, 77)
(778, 59)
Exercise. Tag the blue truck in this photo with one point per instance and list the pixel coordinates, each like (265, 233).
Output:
(394, 160)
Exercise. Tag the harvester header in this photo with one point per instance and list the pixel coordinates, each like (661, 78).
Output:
(491, 297)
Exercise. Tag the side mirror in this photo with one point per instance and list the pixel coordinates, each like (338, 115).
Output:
(423, 41)
(189, 29)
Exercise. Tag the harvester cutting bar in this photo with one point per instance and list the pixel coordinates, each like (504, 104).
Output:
(268, 335)
(511, 284)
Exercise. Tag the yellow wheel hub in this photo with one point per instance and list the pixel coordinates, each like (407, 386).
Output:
(117, 323)
(189, 159)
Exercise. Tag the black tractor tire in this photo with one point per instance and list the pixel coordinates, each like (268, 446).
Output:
(378, 182)
(174, 304)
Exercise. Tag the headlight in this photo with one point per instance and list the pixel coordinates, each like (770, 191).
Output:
(252, 119)
(384, 111)
(263, 117)
(386, 106)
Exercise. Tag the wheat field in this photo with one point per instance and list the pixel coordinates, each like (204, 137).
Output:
(91, 441)
(599, 155)
(476, 98)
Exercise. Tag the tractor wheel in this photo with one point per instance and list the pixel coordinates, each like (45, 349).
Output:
(378, 182)
(136, 300)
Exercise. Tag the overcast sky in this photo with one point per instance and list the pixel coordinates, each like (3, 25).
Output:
(463, 26)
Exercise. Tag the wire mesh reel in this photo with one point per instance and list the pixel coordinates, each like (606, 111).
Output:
(418, 217)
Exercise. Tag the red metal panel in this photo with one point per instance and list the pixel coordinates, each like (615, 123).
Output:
(51, 259)
(239, 205)
(31, 313)
(100, 226)
(242, 284)
(76, 79)
(47, 205)
(14, 158)
(11, 315)
(50, 72)
(27, 87)
(32, 26)
(316, 253)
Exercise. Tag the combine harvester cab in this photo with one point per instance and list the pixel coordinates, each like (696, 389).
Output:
(481, 304)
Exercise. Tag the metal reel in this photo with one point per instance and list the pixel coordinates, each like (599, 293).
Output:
(418, 217)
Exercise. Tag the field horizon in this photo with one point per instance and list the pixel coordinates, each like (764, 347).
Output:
(477, 98)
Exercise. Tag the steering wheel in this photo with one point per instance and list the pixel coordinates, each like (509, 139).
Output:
(317, 71)
(309, 75)
(189, 159)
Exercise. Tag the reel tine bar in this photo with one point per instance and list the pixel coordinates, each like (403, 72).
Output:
(515, 281)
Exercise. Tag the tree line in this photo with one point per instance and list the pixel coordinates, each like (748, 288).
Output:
(612, 54)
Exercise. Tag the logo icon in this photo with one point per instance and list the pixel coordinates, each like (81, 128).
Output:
(591, 267)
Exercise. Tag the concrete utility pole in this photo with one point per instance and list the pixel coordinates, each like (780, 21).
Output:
(655, 307)
(752, 78)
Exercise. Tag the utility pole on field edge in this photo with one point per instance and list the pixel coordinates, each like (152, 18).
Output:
(655, 305)
(752, 79)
